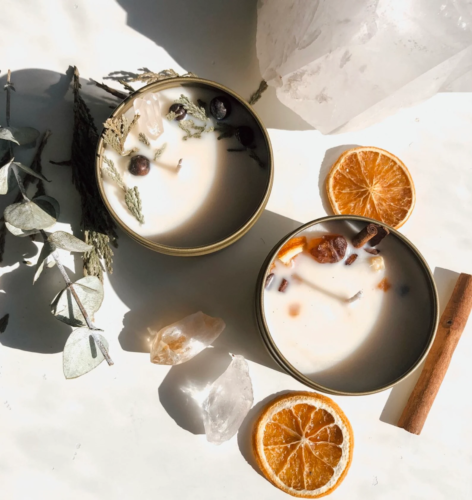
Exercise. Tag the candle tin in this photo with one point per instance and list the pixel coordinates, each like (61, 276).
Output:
(218, 245)
(279, 357)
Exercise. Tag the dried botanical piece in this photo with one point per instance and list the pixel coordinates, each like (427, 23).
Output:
(191, 108)
(159, 151)
(382, 232)
(97, 223)
(310, 436)
(269, 280)
(116, 131)
(364, 235)
(377, 263)
(132, 197)
(184, 339)
(142, 138)
(372, 251)
(328, 249)
(291, 249)
(229, 400)
(283, 285)
(351, 259)
(149, 77)
(384, 285)
(193, 130)
(258, 93)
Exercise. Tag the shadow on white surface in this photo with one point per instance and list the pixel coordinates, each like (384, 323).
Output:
(445, 281)
(217, 41)
(185, 386)
(161, 289)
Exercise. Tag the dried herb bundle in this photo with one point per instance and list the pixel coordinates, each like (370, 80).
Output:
(97, 224)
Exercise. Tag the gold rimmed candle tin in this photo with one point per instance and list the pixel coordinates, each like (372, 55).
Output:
(279, 357)
(218, 245)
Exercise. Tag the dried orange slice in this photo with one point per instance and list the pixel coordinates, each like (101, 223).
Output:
(371, 182)
(303, 444)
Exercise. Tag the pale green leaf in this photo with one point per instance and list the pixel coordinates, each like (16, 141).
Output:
(69, 242)
(28, 215)
(81, 353)
(23, 136)
(30, 171)
(19, 232)
(90, 292)
(46, 251)
(4, 174)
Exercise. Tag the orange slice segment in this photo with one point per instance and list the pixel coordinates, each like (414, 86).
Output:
(303, 444)
(371, 182)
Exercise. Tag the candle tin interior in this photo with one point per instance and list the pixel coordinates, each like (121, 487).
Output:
(244, 210)
(379, 362)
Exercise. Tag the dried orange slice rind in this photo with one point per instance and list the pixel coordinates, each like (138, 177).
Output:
(371, 182)
(303, 444)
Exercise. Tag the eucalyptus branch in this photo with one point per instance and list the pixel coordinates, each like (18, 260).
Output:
(24, 195)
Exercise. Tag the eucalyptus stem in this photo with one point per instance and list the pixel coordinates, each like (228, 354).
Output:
(61, 268)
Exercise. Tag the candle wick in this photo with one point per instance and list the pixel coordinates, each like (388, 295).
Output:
(179, 165)
(355, 297)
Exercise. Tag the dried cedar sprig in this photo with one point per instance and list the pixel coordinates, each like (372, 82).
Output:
(150, 77)
(143, 138)
(110, 90)
(258, 93)
(159, 151)
(116, 131)
(132, 197)
(97, 224)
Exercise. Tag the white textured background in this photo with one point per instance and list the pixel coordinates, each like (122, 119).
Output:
(130, 431)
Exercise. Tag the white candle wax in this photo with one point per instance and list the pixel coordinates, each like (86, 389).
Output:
(350, 346)
(212, 195)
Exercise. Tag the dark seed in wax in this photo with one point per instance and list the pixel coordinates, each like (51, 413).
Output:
(178, 110)
(139, 165)
(245, 135)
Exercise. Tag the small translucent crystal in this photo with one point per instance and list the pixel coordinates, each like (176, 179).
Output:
(150, 121)
(229, 400)
(377, 263)
(184, 339)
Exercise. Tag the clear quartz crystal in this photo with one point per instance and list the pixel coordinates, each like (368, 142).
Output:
(344, 65)
(228, 402)
(150, 121)
(184, 339)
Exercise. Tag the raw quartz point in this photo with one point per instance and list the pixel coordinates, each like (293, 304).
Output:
(184, 339)
(228, 402)
(345, 65)
(150, 123)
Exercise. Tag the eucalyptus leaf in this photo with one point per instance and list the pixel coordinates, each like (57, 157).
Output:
(28, 215)
(81, 353)
(90, 292)
(69, 242)
(4, 174)
(19, 232)
(30, 171)
(46, 202)
(46, 251)
(23, 136)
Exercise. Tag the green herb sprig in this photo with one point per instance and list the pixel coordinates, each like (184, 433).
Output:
(132, 197)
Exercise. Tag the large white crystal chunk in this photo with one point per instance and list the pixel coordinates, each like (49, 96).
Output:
(184, 339)
(343, 65)
(149, 109)
(229, 400)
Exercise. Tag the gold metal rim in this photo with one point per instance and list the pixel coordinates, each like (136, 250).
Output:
(279, 357)
(206, 249)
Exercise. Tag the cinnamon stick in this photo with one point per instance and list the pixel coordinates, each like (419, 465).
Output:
(451, 326)
(366, 234)
(381, 233)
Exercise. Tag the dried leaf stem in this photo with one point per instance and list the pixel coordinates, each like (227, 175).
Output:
(113, 92)
(258, 93)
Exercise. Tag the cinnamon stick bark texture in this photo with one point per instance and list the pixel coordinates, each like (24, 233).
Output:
(366, 234)
(381, 233)
(451, 326)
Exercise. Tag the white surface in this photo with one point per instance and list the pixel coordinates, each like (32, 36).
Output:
(128, 431)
